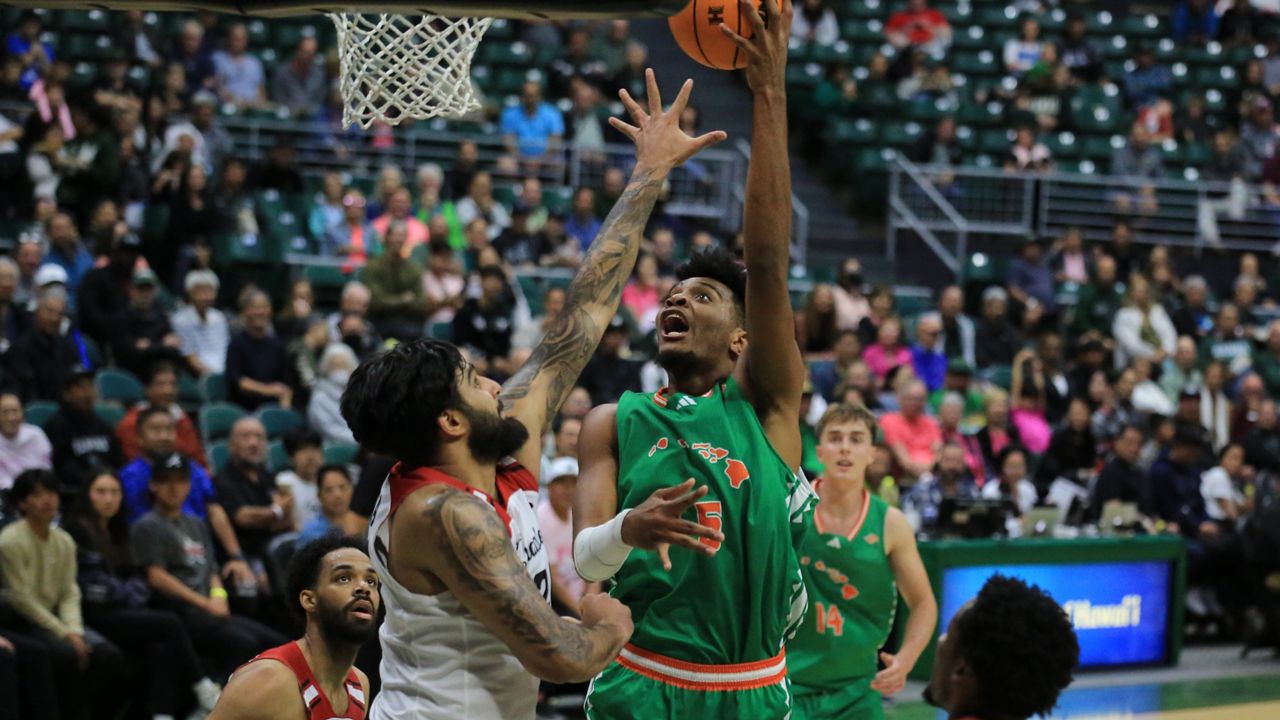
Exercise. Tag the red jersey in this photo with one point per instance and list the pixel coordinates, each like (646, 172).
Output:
(318, 707)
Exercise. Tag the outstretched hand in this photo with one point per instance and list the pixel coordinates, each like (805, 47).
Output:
(893, 677)
(766, 51)
(660, 143)
(655, 524)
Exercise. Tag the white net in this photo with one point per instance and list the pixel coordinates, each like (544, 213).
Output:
(396, 67)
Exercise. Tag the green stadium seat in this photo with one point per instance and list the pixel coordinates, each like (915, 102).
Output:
(259, 35)
(995, 142)
(1143, 26)
(993, 18)
(864, 10)
(1096, 148)
(85, 21)
(340, 453)
(839, 53)
(277, 457)
(109, 413)
(976, 64)
(516, 54)
(87, 47)
(1000, 376)
(860, 32)
(213, 387)
(1119, 48)
(286, 35)
(38, 412)
(279, 421)
(327, 282)
(441, 331)
(981, 114)
(217, 418)
(901, 135)
(1217, 78)
(1063, 145)
(118, 386)
(219, 454)
(190, 394)
(1099, 23)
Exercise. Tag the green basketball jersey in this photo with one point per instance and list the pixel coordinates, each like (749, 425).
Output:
(740, 605)
(852, 598)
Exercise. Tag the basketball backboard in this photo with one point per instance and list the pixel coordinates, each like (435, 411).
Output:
(520, 9)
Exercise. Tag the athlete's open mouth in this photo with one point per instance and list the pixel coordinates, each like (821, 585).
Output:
(362, 609)
(673, 324)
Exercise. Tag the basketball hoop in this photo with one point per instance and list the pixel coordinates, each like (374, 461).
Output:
(397, 67)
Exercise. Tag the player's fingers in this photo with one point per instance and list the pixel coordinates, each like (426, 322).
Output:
(684, 502)
(633, 108)
(886, 658)
(664, 555)
(743, 44)
(693, 528)
(622, 127)
(753, 14)
(675, 491)
(682, 99)
(651, 88)
(706, 140)
(689, 543)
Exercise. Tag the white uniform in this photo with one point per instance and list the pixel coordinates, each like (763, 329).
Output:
(437, 660)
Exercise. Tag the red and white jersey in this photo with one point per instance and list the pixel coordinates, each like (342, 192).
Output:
(318, 706)
(438, 661)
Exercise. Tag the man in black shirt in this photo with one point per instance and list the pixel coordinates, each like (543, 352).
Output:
(140, 331)
(1121, 479)
(40, 362)
(82, 442)
(518, 245)
(483, 325)
(258, 510)
(608, 374)
(256, 359)
(105, 290)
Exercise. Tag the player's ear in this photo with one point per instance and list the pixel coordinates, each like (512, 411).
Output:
(308, 600)
(738, 342)
(453, 423)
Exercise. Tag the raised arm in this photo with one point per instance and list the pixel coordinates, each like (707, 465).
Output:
(473, 558)
(538, 389)
(772, 369)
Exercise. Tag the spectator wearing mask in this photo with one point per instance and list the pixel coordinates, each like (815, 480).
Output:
(335, 515)
(479, 203)
(202, 330)
(949, 480)
(176, 554)
(300, 84)
(38, 565)
(1011, 483)
(141, 333)
(67, 252)
(996, 341)
(324, 412)
(160, 389)
(555, 519)
(115, 601)
(82, 442)
(1180, 370)
(484, 324)
(918, 25)
(1142, 328)
(913, 437)
(105, 290)
(306, 454)
(1121, 479)
(930, 365)
(238, 75)
(258, 509)
(533, 128)
(257, 365)
(608, 374)
(1099, 300)
(23, 446)
(395, 286)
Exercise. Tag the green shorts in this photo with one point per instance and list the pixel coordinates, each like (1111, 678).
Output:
(623, 693)
(856, 701)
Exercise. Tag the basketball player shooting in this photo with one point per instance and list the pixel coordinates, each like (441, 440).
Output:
(331, 582)
(469, 627)
(710, 618)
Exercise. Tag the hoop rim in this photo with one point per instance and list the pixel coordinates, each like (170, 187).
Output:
(513, 9)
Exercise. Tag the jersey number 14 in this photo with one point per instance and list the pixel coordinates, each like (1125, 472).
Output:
(829, 618)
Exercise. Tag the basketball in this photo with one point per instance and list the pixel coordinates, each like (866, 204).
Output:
(695, 31)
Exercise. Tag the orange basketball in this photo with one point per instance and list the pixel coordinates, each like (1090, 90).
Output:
(695, 29)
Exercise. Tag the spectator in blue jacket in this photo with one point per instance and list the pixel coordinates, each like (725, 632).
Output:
(1194, 22)
(24, 44)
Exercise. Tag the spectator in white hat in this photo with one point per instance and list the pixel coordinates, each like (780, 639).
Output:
(560, 478)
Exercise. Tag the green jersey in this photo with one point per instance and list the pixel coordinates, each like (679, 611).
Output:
(852, 599)
(741, 604)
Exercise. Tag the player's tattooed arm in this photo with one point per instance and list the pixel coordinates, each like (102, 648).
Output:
(537, 390)
(478, 565)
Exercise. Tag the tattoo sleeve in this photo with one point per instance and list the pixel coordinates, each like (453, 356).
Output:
(481, 569)
(593, 297)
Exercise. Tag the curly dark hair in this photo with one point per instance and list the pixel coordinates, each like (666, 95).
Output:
(722, 266)
(304, 567)
(392, 401)
(1021, 646)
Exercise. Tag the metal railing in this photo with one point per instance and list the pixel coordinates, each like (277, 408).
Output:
(947, 207)
(799, 211)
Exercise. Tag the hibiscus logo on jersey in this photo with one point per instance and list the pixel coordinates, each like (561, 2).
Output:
(735, 470)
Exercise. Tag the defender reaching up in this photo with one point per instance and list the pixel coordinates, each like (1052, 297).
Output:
(455, 540)
(710, 623)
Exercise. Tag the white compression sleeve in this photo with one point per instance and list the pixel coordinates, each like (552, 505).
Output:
(598, 551)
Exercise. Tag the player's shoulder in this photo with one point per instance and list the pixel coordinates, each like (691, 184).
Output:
(264, 688)
(599, 428)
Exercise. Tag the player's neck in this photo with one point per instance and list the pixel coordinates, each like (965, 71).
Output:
(481, 476)
(695, 381)
(842, 498)
(329, 661)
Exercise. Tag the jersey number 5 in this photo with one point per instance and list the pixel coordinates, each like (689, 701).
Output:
(829, 618)
(709, 515)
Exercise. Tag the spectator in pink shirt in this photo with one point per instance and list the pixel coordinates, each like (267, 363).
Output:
(640, 296)
(913, 437)
(888, 352)
(23, 446)
(399, 206)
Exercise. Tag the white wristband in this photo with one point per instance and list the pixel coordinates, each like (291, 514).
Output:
(598, 551)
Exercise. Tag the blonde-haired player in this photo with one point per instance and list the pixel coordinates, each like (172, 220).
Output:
(858, 554)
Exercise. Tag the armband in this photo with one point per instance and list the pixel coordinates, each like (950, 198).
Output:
(218, 593)
(598, 551)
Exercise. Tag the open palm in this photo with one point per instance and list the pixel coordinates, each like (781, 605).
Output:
(660, 143)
